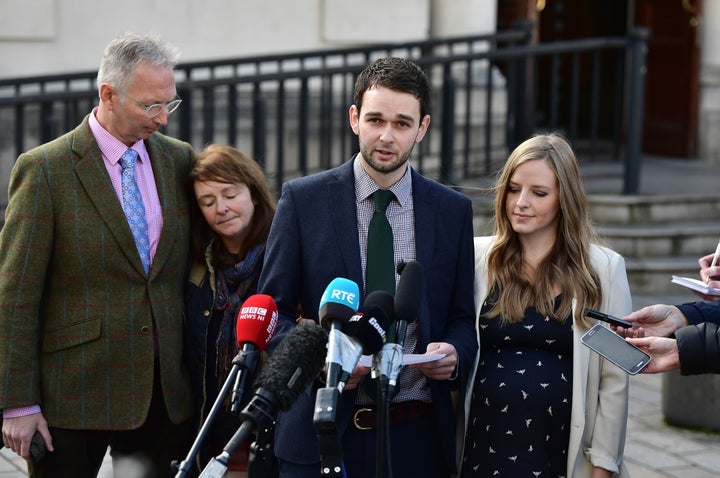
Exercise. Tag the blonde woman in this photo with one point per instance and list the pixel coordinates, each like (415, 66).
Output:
(539, 403)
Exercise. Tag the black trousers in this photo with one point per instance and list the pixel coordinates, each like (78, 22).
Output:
(415, 451)
(141, 453)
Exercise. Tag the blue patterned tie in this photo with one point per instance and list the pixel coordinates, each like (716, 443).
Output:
(134, 208)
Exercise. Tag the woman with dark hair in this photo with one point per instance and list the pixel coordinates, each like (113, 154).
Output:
(230, 219)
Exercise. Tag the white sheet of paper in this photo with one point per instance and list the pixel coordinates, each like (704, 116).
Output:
(408, 359)
(695, 284)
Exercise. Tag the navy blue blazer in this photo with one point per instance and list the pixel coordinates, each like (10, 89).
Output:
(699, 312)
(314, 239)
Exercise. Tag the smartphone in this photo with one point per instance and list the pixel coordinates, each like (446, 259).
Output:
(608, 318)
(614, 348)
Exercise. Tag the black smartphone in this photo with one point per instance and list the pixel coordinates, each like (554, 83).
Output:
(614, 348)
(608, 318)
(37, 447)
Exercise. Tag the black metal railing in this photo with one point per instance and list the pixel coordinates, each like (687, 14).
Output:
(290, 111)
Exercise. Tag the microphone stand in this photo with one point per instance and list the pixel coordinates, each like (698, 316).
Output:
(245, 360)
(381, 426)
(341, 350)
(386, 367)
(255, 413)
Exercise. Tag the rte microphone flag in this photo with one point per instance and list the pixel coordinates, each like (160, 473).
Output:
(338, 303)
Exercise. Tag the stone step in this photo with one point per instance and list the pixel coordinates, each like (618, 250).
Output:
(618, 209)
(653, 275)
(692, 238)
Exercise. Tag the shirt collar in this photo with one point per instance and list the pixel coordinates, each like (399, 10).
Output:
(111, 147)
(365, 186)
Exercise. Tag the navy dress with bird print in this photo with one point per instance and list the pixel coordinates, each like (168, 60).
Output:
(519, 422)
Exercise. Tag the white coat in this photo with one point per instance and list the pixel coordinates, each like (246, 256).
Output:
(599, 389)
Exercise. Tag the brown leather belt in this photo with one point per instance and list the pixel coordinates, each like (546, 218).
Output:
(365, 418)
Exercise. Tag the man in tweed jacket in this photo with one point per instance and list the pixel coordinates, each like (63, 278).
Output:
(91, 344)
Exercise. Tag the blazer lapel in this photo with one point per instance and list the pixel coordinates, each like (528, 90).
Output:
(164, 171)
(425, 224)
(92, 174)
(341, 201)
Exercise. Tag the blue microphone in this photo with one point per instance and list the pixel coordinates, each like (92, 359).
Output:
(338, 303)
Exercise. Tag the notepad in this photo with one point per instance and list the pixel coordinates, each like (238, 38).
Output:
(695, 284)
(408, 359)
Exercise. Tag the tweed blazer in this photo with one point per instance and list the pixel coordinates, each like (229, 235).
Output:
(598, 420)
(76, 308)
(314, 239)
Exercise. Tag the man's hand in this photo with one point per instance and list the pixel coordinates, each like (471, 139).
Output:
(443, 368)
(17, 433)
(358, 373)
(710, 276)
(664, 352)
(654, 320)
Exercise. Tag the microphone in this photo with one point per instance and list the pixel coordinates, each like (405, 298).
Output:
(406, 307)
(337, 304)
(382, 361)
(408, 297)
(390, 354)
(365, 335)
(256, 323)
(255, 326)
(296, 362)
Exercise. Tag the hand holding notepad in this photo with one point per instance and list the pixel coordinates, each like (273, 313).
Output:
(698, 285)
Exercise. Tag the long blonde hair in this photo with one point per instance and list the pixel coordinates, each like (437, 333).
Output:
(567, 264)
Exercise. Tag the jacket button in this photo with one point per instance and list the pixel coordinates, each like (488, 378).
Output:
(206, 313)
(145, 330)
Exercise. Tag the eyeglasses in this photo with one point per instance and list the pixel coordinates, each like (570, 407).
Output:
(155, 109)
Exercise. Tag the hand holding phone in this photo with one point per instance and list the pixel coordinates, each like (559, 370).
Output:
(614, 348)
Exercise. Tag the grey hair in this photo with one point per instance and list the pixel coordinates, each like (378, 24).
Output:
(127, 51)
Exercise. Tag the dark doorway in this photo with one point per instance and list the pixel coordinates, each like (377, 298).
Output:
(672, 80)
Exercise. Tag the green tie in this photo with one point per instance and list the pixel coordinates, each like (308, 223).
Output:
(380, 272)
(380, 269)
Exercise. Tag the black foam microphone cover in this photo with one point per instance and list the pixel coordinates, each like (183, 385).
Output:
(369, 328)
(296, 362)
(409, 292)
(384, 300)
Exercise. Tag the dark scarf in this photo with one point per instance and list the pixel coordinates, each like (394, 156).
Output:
(234, 285)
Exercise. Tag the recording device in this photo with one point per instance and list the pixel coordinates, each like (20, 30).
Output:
(608, 318)
(254, 328)
(616, 349)
(256, 323)
(387, 364)
(296, 362)
(388, 360)
(406, 307)
(338, 303)
(408, 297)
(364, 333)
(37, 447)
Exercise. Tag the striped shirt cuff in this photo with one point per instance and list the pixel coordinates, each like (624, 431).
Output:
(21, 411)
